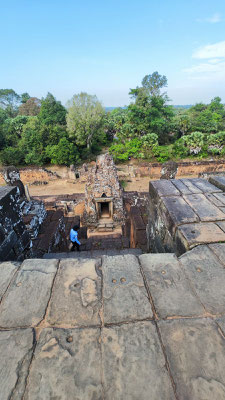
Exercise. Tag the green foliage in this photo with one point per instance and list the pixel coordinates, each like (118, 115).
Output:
(216, 143)
(24, 97)
(115, 123)
(153, 83)
(162, 153)
(193, 142)
(179, 150)
(151, 86)
(150, 140)
(9, 100)
(85, 120)
(34, 131)
(150, 112)
(32, 142)
(64, 153)
(12, 155)
(12, 129)
(52, 111)
(124, 151)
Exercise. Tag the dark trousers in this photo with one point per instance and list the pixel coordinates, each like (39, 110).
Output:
(75, 244)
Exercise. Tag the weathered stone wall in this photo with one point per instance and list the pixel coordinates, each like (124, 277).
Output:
(14, 239)
(32, 175)
(153, 170)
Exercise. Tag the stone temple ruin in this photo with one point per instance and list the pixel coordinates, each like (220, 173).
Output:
(113, 324)
(103, 196)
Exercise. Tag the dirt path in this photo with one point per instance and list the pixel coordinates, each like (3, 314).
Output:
(62, 187)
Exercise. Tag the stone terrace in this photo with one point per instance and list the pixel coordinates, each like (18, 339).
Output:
(117, 328)
(185, 213)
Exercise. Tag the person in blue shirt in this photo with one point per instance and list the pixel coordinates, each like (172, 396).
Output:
(74, 238)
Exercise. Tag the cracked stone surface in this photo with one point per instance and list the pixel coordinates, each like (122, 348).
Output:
(76, 298)
(28, 294)
(15, 355)
(138, 346)
(124, 294)
(114, 328)
(196, 354)
(168, 285)
(207, 276)
(8, 269)
(66, 366)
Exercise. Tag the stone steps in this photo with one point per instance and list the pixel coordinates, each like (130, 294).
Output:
(124, 318)
(93, 253)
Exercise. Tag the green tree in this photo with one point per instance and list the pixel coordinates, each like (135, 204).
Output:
(32, 142)
(3, 117)
(52, 111)
(63, 153)
(9, 101)
(13, 128)
(12, 155)
(24, 97)
(85, 119)
(150, 112)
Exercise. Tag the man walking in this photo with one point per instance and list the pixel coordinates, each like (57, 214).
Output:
(74, 238)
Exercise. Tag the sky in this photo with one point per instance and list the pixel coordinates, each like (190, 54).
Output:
(107, 47)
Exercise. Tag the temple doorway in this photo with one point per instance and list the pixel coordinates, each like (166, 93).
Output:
(104, 212)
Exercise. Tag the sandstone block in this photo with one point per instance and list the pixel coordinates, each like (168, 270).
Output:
(196, 354)
(170, 289)
(27, 298)
(207, 276)
(66, 366)
(15, 355)
(76, 298)
(137, 346)
(124, 294)
(7, 271)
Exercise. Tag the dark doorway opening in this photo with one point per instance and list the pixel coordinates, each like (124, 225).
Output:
(105, 210)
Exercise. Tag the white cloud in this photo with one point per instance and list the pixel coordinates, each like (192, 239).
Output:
(216, 50)
(214, 19)
(207, 68)
(211, 64)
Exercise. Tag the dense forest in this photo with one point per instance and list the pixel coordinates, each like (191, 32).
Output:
(40, 131)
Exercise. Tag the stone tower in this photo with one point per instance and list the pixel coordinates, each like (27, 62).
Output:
(103, 194)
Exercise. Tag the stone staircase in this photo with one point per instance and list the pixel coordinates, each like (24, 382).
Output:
(105, 226)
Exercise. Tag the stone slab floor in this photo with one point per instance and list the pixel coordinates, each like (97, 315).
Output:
(148, 327)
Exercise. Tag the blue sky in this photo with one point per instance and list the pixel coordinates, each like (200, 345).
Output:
(106, 48)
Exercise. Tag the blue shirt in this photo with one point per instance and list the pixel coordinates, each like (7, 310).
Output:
(74, 236)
